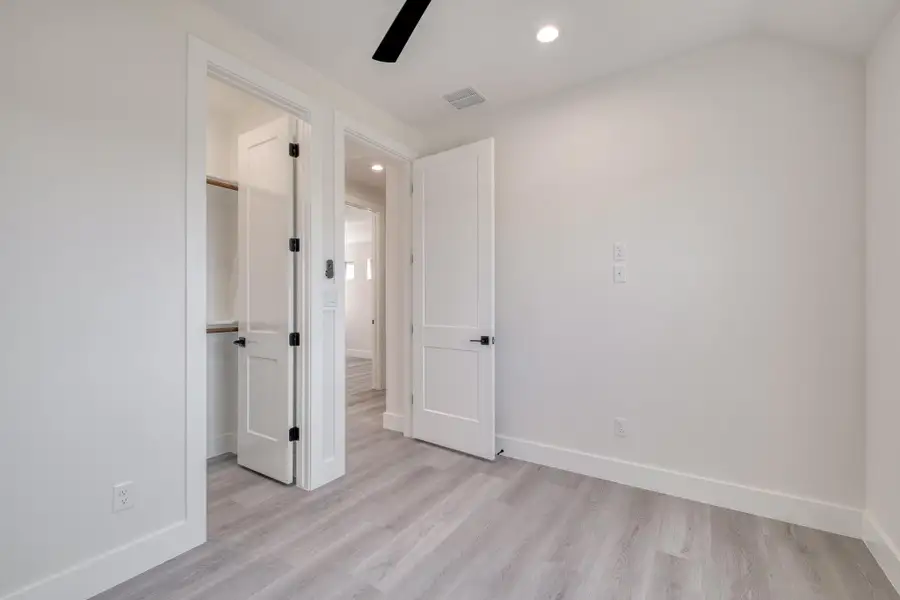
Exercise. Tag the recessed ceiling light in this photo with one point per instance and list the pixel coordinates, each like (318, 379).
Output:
(378, 168)
(547, 34)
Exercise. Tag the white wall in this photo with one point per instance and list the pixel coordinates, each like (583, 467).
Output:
(221, 254)
(397, 300)
(221, 393)
(883, 304)
(92, 250)
(221, 296)
(360, 302)
(231, 113)
(221, 147)
(365, 193)
(735, 175)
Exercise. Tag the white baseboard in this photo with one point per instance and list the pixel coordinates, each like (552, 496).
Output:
(393, 422)
(825, 516)
(882, 548)
(359, 354)
(98, 574)
(221, 444)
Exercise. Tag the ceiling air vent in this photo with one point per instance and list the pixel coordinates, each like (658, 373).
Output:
(464, 98)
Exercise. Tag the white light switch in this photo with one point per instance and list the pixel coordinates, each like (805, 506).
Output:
(620, 274)
(330, 297)
(619, 251)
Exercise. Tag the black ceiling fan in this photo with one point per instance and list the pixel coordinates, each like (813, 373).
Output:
(401, 30)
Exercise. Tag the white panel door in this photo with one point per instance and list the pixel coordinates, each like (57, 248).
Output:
(265, 299)
(453, 299)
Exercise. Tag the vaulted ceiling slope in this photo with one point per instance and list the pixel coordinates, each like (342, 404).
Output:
(490, 44)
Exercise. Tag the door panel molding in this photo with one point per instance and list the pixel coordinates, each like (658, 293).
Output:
(266, 307)
(453, 299)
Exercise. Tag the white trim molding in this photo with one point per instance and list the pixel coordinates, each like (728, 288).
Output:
(809, 512)
(393, 422)
(882, 548)
(397, 280)
(102, 572)
(225, 443)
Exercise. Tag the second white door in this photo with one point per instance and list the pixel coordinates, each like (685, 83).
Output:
(266, 204)
(453, 299)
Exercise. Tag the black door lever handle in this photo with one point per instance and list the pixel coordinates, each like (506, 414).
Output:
(242, 342)
(484, 340)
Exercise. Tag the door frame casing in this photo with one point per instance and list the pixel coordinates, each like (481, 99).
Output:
(205, 60)
(397, 281)
(378, 242)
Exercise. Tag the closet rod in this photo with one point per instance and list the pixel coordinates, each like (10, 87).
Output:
(221, 329)
(222, 183)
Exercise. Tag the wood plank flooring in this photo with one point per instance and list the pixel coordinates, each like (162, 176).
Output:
(359, 383)
(414, 521)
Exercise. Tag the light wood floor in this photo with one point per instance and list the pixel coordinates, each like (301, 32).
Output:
(414, 521)
(359, 383)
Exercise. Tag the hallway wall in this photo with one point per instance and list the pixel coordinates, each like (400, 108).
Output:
(360, 302)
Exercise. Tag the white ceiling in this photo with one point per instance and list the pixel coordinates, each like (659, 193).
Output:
(359, 160)
(490, 44)
(357, 225)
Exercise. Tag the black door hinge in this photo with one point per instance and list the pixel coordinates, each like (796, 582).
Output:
(294, 150)
(294, 244)
(294, 339)
(294, 434)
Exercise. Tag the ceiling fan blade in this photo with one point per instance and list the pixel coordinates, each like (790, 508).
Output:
(401, 30)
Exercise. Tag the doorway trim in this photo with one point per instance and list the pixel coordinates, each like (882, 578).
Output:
(378, 242)
(205, 60)
(397, 279)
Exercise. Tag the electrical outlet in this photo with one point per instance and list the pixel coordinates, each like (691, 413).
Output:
(620, 427)
(619, 251)
(123, 496)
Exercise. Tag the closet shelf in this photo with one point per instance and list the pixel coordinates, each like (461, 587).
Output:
(222, 183)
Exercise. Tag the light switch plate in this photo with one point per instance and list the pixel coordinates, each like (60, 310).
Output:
(619, 251)
(330, 297)
(620, 274)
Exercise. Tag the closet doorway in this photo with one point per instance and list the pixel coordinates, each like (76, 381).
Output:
(253, 166)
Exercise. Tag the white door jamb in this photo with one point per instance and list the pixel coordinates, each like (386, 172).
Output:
(397, 268)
